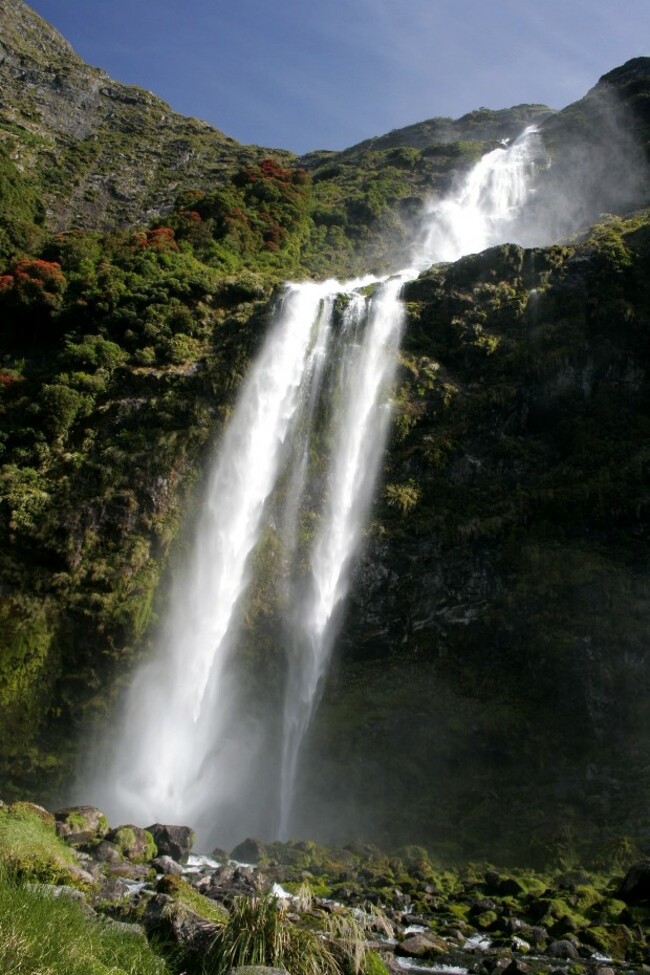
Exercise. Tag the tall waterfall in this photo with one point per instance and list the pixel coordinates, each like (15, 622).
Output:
(186, 749)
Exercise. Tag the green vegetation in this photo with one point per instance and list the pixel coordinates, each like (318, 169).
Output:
(494, 662)
(29, 846)
(53, 936)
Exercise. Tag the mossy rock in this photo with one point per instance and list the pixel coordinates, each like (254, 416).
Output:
(135, 843)
(82, 819)
(613, 940)
(184, 893)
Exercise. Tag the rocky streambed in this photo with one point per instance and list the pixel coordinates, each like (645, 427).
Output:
(403, 911)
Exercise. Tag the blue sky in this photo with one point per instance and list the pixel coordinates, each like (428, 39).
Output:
(309, 74)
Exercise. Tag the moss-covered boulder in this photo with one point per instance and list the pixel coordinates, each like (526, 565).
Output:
(135, 843)
(85, 821)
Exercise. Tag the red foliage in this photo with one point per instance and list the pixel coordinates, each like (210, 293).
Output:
(158, 239)
(6, 380)
(236, 215)
(29, 277)
(271, 169)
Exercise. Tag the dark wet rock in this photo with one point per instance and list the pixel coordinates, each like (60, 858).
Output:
(75, 820)
(106, 852)
(166, 865)
(173, 841)
(231, 881)
(221, 856)
(514, 925)
(499, 886)
(422, 945)
(563, 949)
(517, 967)
(250, 851)
(482, 905)
(635, 888)
(413, 919)
(175, 922)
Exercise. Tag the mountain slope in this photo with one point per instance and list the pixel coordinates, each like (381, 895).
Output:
(105, 153)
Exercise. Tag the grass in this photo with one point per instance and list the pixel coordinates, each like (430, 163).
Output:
(258, 932)
(41, 935)
(30, 848)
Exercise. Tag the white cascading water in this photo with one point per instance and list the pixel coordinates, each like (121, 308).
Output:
(177, 758)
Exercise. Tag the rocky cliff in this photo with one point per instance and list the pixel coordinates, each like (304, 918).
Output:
(490, 690)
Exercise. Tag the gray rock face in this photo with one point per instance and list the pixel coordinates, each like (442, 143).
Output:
(79, 821)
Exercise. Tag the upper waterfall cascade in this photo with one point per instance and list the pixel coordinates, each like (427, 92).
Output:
(299, 461)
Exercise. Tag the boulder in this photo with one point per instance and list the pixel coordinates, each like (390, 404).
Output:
(84, 820)
(421, 946)
(173, 841)
(167, 866)
(177, 923)
(250, 851)
(106, 852)
(134, 843)
(563, 949)
(635, 888)
(114, 889)
(129, 871)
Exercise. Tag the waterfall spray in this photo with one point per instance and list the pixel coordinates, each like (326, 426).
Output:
(182, 705)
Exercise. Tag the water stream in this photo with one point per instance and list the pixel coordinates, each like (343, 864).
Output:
(184, 751)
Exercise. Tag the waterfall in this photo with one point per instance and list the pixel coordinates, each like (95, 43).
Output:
(184, 751)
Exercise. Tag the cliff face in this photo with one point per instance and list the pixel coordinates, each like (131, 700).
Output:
(490, 690)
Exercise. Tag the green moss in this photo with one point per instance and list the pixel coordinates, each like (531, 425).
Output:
(184, 893)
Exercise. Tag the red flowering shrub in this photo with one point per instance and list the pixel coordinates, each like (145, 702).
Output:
(158, 239)
(34, 281)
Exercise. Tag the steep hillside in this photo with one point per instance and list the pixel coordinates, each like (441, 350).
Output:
(104, 154)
